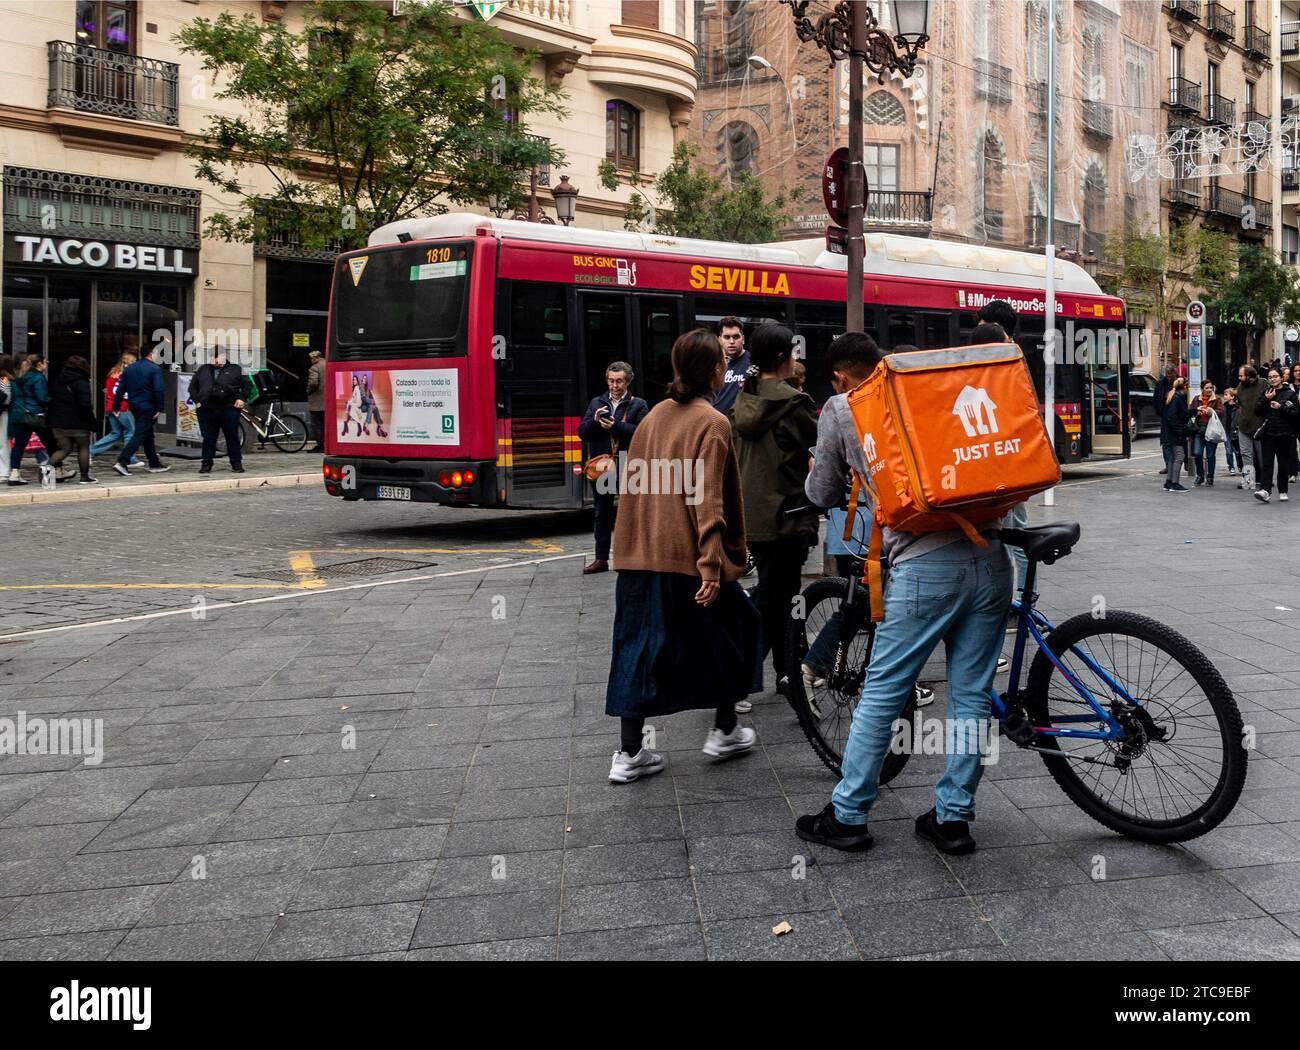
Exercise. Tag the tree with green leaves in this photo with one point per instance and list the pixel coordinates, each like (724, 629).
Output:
(696, 203)
(362, 118)
(1264, 292)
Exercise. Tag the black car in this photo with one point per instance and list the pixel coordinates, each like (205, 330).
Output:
(1145, 416)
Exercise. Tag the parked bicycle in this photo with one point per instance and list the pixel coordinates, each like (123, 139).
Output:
(1132, 720)
(288, 432)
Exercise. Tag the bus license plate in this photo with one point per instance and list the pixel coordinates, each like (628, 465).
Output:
(393, 492)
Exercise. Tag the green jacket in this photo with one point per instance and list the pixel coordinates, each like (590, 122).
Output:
(1249, 418)
(774, 430)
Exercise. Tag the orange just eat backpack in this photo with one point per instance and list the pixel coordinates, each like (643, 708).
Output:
(952, 438)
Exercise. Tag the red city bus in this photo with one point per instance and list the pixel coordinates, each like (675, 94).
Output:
(463, 350)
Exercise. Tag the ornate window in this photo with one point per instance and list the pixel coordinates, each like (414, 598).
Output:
(881, 107)
(738, 148)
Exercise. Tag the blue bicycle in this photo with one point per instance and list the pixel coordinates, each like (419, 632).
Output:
(1132, 720)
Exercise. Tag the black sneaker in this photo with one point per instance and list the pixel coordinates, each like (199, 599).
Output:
(951, 836)
(824, 829)
(237, 470)
(206, 468)
(1200, 481)
(1179, 488)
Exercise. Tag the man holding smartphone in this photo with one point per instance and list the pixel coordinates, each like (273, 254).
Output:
(607, 426)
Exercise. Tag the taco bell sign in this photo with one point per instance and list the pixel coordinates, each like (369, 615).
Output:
(75, 254)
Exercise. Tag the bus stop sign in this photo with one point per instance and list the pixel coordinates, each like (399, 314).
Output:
(835, 173)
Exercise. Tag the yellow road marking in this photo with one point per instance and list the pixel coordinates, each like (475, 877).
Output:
(301, 563)
(304, 567)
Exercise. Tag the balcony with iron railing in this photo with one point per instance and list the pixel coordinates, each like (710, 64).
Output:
(1220, 20)
(1290, 178)
(888, 209)
(1251, 116)
(1183, 193)
(1250, 212)
(1260, 211)
(1184, 10)
(1098, 119)
(1258, 41)
(1065, 235)
(94, 80)
(1220, 110)
(992, 81)
(1289, 41)
(1184, 95)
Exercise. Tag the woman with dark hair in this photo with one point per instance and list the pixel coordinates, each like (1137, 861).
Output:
(775, 427)
(685, 634)
(72, 415)
(1278, 409)
(28, 414)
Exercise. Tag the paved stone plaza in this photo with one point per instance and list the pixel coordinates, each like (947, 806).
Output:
(471, 816)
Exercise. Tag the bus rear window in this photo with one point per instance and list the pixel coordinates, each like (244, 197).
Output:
(403, 297)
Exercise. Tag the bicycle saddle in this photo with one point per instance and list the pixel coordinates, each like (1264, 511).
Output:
(1044, 543)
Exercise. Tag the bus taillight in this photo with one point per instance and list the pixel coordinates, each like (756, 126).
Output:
(456, 479)
(469, 477)
(444, 479)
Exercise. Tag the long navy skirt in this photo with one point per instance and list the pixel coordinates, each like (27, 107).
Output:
(671, 654)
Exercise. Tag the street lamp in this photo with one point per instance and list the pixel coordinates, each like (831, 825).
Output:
(759, 64)
(850, 30)
(566, 200)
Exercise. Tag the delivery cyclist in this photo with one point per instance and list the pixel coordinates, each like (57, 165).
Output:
(941, 587)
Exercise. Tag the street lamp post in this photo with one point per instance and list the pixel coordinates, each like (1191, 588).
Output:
(850, 30)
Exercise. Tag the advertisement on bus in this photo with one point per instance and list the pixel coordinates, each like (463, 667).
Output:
(376, 406)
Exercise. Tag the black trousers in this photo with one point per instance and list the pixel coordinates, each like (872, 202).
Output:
(779, 564)
(605, 512)
(143, 436)
(22, 433)
(1275, 450)
(215, 421)
(318, 424)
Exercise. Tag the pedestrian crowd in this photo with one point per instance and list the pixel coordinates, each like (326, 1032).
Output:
(1257, 422)
(687, 636)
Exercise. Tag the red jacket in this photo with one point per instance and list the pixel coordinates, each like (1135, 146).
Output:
(110, 388)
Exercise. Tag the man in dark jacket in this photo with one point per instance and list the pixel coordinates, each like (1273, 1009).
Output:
(607, 427)
(316, 398)
(1160, 398)
(1249, 420)
(72, 417)
(219, 390)
(141, 386)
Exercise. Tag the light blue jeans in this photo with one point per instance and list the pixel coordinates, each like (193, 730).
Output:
(120, 428)
(957, 595)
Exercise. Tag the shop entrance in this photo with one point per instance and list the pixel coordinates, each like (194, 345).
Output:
(297, 308)
(97, 318)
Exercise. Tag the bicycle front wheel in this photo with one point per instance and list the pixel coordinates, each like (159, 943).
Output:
(290, 433)
(825, 698)
(1179, 767)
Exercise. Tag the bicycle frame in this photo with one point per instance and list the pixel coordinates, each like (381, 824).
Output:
(1029, 621)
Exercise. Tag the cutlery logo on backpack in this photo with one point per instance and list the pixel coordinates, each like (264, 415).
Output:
(976, 410)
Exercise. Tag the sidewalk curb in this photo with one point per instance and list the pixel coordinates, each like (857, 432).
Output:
(273, 481)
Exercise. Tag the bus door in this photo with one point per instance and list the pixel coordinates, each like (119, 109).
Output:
(658, 323)
(1106, 402)
(537, 395)
(604, 333)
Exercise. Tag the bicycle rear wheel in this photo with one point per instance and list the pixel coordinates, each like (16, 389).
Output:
(824, 704)
(1181, 764)
(290, 433)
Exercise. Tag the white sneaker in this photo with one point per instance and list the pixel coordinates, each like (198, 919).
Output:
(723, 745)
(121, 469)
(159, 470)
(1004, 665)
(1283, 497)
(924, 696)
(743, 707)
(1261, 495)
(137, 464)
(624, 770)
(67, 473)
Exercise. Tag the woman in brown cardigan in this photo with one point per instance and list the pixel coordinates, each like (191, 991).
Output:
(686, 636)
